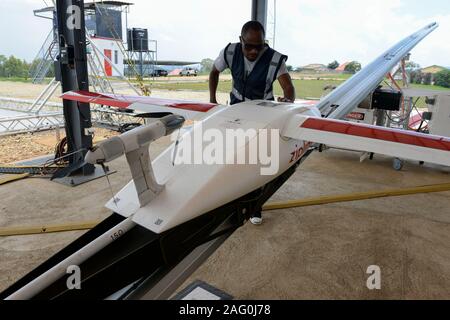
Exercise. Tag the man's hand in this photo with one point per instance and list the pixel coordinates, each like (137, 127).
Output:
(288, 88)
(213, 82)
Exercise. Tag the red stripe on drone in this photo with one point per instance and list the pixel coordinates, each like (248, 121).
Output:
(379, 133)
(122, 101)
(90, 97)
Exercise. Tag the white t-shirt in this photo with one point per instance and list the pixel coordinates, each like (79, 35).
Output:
(221, 65)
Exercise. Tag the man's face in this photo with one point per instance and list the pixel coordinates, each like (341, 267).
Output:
(252, 44)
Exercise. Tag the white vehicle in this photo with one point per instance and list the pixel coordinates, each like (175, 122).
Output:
(169, 209)
(188, 72)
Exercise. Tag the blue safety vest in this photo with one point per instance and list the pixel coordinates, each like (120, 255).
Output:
(258, 85)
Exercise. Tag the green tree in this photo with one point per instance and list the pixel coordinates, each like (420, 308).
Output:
(442, 78)
(333, 65)
(353, 67)
(289, 68)
(14, 67)
(207, 64)
(415, 77)
(3, 60)
(427, 78)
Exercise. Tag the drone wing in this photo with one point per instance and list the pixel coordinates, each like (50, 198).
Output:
(353, 91)
(363, 137)
(143, 104)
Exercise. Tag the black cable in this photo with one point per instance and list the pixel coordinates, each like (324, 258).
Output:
(406, 117)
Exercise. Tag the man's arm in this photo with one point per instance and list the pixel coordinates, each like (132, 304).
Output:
(288, 88)
(213, 82)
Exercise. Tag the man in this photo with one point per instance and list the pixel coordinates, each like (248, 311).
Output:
(254, 67)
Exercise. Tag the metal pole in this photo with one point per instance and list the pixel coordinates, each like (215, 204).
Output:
(141, 62)
(38, 99)
(72, 62)
(274, 21)
(48, 96)
(408, 101)
(259, 11)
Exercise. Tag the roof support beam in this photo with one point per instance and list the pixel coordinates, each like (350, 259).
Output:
(259, 11)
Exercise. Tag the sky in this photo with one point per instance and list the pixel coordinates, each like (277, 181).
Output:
(308, 31)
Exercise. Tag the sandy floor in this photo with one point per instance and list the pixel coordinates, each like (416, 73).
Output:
(319, 252)
(30, 145)
(23, 90)
(31, 91)
(37, 201)
(323, 252)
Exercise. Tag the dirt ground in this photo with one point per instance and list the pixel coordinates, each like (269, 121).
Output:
(31, 145)
(23, 90)
(317, 252)
(30, 91)
(323, 252)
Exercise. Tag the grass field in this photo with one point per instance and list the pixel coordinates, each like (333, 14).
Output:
(306, 85)
(320, 76)
(303, 88)
(424, 86)
(15, 79)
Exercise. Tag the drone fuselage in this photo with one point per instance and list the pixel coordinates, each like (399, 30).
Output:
(198, 186)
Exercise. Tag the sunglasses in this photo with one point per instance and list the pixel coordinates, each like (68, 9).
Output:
(249, 47)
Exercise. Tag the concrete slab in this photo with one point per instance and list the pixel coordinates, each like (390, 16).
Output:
(319, 252)
(37, 201)
(323, 252)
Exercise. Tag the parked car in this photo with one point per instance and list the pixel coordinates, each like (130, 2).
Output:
(158, 73)
(188, 72)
